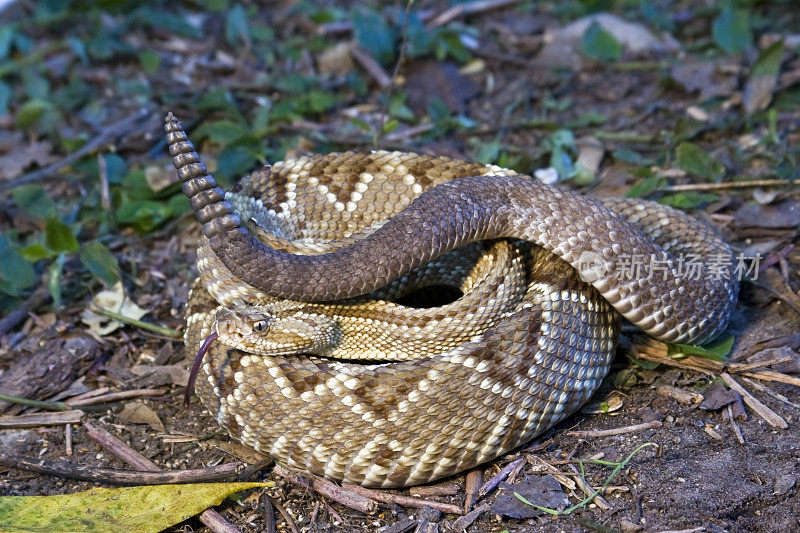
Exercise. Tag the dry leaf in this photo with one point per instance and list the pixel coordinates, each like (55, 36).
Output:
(136, 412)
(115, 300)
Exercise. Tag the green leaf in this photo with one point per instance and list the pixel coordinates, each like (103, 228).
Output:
(5, 97)
(116, 168)
(599, 44)
(100, 262)
(79, 48)
(687, 199)
(236, 26)
(373, 34)
(55, 279)
(732, 31)
(697, 162)
(763, 79)
(144, 215)
(488, 153)
(150, 61)
(36, 252)
(769, 61)
(59, 237)
(120, 510)
(35, 201)
(30, 112)
(6, 37)
(222, 131)
(16, 274)
(632, 157)
(216, 99)
(717, 350)
(645, 187)
(234, 162)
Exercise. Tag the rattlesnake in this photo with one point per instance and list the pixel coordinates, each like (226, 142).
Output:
(385, 214)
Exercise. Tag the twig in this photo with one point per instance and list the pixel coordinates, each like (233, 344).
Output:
(469, 8)
(114, 396)
(109, 442)
(402, 500)
(726, 185)
(589, 490)
(371, 66)
(68, 439)
(401, 527)
(269, 514)
(39, 297)
(766, 390)
(559, 476)
(34, 420)
(286, 516)
(655, 424)
(474, 482)
(161, 330)
(329, 489)
(121, 450)
(772, 418)
(442, 489)
(463, 522)
(734, 424)
(117, 129)
(50, 406)
(115, 476)
(498, 478)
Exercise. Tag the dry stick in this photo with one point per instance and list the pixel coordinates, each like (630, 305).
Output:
(589, 490)
(559, 476)
(113, 396)
(401, 527)
(726, 185)
(286, 516)
(463, 522)
(402, 500)
(33, 420)
(771, 375)
(371, 66)
(329, 489)
(269, 514)
(116, 476)
(39, 297)
(469, 8)
(766, 390)
(68, 439)
(655, 424)
(734, 425)
(120, 449)
(443, 489)
(772, 418)
(107, 135)
(332, 512)
(473, 482)
(160, 330)
(492, 484)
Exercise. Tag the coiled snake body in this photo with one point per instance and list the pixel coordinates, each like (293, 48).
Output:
(526, 358)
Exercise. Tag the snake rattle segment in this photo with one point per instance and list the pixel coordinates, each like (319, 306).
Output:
(306, 353)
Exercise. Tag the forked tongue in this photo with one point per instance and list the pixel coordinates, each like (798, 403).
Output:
(198, 360)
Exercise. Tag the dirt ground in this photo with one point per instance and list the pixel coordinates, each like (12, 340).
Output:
(701, 476)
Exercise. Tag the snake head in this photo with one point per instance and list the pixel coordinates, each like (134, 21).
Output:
(283, 328)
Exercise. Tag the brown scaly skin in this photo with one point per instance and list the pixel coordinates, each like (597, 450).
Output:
(412, 422)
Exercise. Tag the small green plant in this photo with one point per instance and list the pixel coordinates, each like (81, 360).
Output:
(617, 468)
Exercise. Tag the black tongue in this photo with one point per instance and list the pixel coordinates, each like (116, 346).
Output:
(198, 360)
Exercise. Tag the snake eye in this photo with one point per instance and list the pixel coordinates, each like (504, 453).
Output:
(260, 326)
